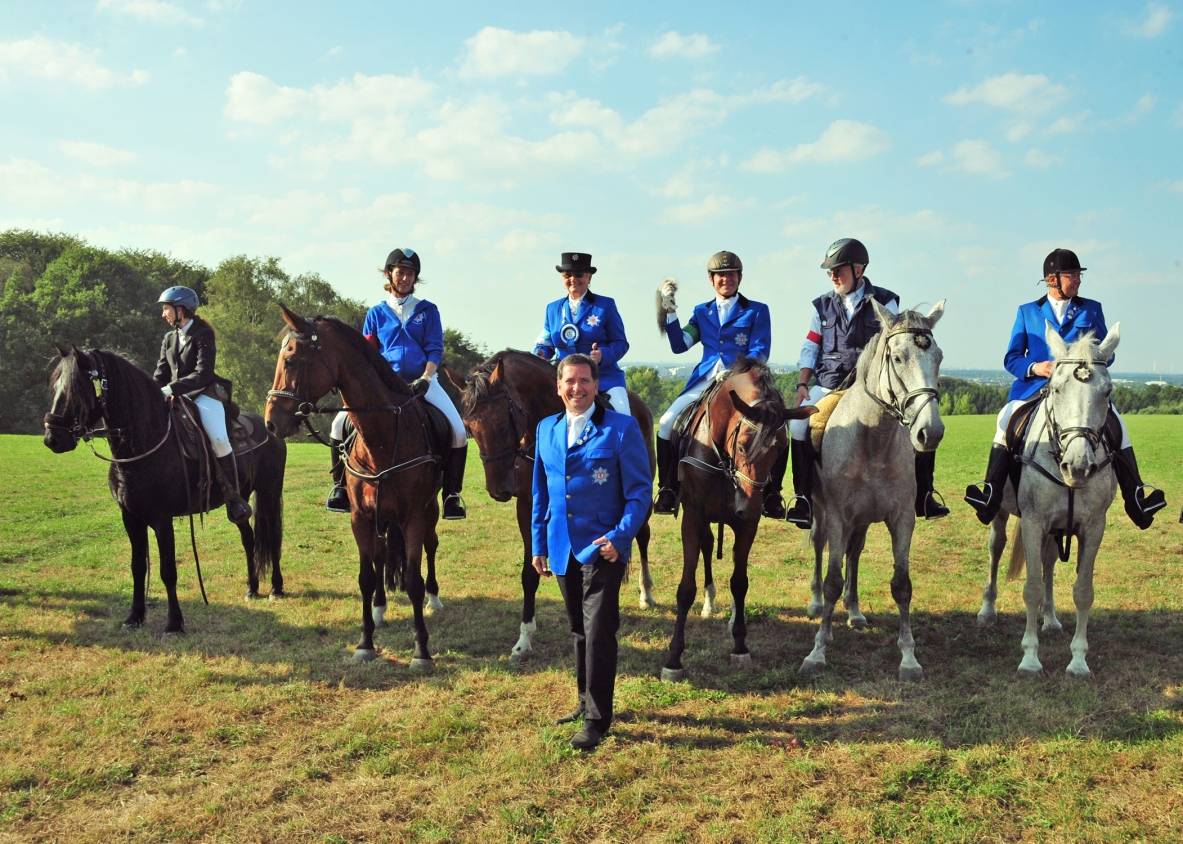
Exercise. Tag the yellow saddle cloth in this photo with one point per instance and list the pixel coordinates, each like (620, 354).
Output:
(817, 422)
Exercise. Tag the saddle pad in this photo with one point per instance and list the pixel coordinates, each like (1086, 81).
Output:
(247, 432)
(1019, 424)
(817, 422)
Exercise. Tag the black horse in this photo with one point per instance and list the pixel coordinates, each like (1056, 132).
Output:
(151, 478)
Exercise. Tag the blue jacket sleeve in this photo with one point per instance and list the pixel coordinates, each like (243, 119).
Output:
(542, 346)
(540, 498)
(637, 487)
(369, 327)
(760, 343)
(1018, 359)
(617, 345)
(673, 330)
(433, 336)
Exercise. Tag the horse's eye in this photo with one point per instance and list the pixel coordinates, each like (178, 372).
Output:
(287, 363)
(897, 358)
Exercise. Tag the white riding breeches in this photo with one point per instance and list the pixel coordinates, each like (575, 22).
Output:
(799, 428)
(1008, 411)
(618, 396)
(435, 396)
(213, 419)
(666, 425)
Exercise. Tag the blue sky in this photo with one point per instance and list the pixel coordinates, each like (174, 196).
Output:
(961, 141)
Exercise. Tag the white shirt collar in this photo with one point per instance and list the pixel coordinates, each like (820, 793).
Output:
(577, 422)
(1059, 307)
(851, 300)
(401, 306)
(184, 328)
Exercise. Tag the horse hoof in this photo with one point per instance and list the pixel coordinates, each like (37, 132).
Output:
(857, 622)
(251, 596)
(365, 655)
(378, 614)
(673, 675)
(1079, 672)
(433, 604)
(1051, 627)
(180, 631)
(813, 610)
(647, 603)
(1030, 673)
(987, 619)
(741, 660)
(911, 674)
(277, 596)
(422, 665)
(132, 624)
(811, 667)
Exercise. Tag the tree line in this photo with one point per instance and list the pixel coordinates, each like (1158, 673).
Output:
(57, 288)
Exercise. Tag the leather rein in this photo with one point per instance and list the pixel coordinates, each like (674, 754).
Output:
(896, 405)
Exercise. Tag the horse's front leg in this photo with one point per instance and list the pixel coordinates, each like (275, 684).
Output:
(901, 589)
(368, 547)
(385, 560)
(996, 544)
(1050, 624)
(691, 536)
(817, 539)
(854, 616)
(413, 580)
(166, 545)
(1035, 538)
(644, 581)
(1082, 595)
(246, 536)
(706, 545)
(745, 535)
(431, 544)
(137, 535)
(527, 627)
(838, 537)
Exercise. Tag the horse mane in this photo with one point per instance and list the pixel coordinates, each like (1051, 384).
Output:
(905, 319)
(363, 347)
(762, 377)
(1086, 348)
(132, 399)
(479, 387)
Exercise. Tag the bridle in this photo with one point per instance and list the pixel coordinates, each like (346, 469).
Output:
(726, 464)
(1060, 437)
(519, 435)
(896, 404)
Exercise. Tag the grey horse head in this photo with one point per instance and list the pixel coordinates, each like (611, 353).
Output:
(1078, 400)
(909, 374)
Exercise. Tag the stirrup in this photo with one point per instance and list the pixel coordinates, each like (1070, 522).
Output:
(459, 511)
(938, 501)
(670, 507)
(774, 507)
(795, 518)
(972, 493)
(1145, 502)
(338, 500)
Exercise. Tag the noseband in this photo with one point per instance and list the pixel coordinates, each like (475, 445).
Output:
(896, 406)
(519, 448)
(1059, 437)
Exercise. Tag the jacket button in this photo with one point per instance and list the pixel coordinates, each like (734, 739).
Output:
(568, 478)
(568, 497)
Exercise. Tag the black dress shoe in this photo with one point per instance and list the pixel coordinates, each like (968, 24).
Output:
(587, 738)
(571, 717)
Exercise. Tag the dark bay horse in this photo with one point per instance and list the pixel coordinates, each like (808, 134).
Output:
(99, 392)
(737, 432)
(392, 474)
(503, 401)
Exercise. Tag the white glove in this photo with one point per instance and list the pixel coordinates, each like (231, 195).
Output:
(669, 286)
(167, 390)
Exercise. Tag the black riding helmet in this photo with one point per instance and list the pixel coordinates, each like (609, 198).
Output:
(845, 251)
(403, 258)
(1061, 261)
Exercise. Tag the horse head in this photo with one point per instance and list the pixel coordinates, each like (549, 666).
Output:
(306, 370)
(1077, 402)
(904, 375)
(75, 409)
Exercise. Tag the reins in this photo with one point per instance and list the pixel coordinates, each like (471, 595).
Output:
(897, 408)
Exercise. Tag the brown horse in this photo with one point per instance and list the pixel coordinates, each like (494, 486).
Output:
(502, 403)
(737, 433)
(392, 475)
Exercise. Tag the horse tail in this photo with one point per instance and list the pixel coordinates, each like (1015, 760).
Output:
(269, 509)
(1018, 560)
(396, 560)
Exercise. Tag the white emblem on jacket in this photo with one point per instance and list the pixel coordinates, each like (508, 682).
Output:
(600, 475)
(592, 321)
(741, 339)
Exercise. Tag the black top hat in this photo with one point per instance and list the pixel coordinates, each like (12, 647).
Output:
(1061, 260)
(576, 262)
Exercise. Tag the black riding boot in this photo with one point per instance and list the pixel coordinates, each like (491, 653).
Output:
(667, 479)
(800, 512)
(338, 499)
(928, 502)
(987, 498)
(1139, 506)
(454, 483)
(774, 504)
(237, 510)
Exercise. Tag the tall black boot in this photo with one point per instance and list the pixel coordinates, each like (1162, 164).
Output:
(454, 483)
(667, 479)
(774, 504)
(338, 499)
(237, 510)
(987, 498)
(929, 503)
(800, 513)
(1139, 506)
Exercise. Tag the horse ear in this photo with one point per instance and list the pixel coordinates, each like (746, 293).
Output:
(62, 350)
(801, 412)
(934, 316)
(1105, 351)
(457, 382)
(294, 321)
(743, 407)
(884, 315)
(1055, 342)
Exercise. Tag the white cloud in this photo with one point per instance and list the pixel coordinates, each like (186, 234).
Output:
(34, 184)
(1177, 187)
(668, 123)
(674, 45)
(96, 155)
(931, 159)
(1153, 23)
(977, 158)
(1030, 93)
(151, 11)
(842, 140)
(59, 61)
(495, 52)
(1039, 159)
(253, 98)
(710, 208)
(1067, 124)
(795, 90)
(1018, 131)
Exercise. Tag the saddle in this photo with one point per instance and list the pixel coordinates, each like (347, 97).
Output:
(246, 430)
(818, 421)
(687, 420)
(439, 432)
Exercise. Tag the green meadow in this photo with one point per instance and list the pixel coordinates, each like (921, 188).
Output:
(256, 726)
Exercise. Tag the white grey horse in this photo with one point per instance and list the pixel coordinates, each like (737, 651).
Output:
(868, 470)
(1062, 479)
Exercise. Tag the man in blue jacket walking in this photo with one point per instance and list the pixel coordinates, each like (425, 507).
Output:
(1029, 360)
(591, 495)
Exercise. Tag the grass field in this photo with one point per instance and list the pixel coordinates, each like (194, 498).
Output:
(255, 726)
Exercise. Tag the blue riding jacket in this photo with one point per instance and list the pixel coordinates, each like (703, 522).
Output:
(747, 333)
(599, 487)
(599, 322)
(408, 346)
(1028, 345)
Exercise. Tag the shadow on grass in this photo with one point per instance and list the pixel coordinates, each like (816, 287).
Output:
(970, 695)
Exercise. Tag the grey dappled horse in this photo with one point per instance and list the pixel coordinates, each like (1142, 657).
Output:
(868, 471)
(1061, 478)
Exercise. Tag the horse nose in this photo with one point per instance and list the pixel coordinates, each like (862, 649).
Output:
(922, 437)
(270, 427)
